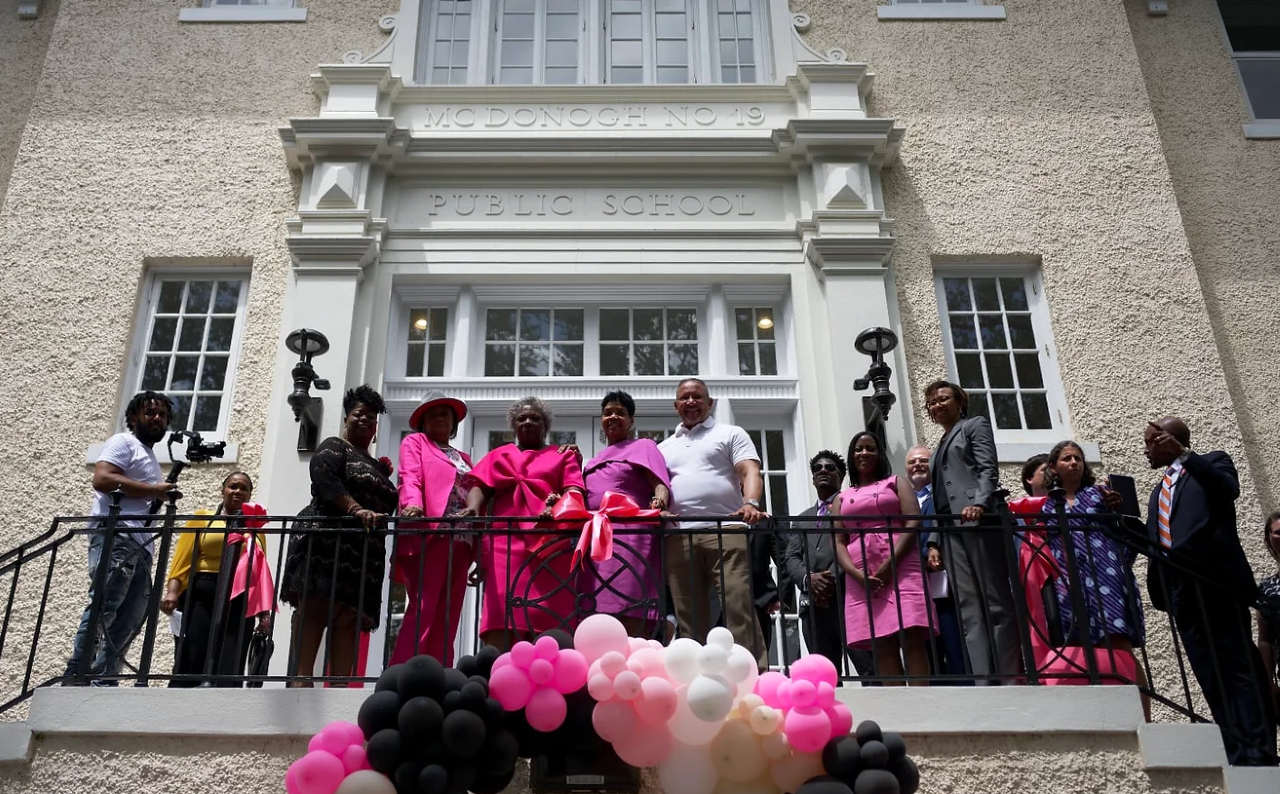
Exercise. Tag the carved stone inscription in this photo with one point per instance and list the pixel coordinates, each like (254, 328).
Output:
(589, 117)
(426, 206)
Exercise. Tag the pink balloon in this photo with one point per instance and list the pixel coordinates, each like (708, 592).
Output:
(612, 663)
(546, 648)
(816, 669)
(511, 686)
(571, 671)
(614, 720)
(767, 688)
(291, 778)
(329, 740)
(349, 730)
(354, 759)
(627, 685)
(803, 694)
(647, 662)
(841, 720)
(319, 773)
(598, 634)
(658, 700)
(546, 710)
(636, 643)
(502, 661)
(648, 746)
(600, 686)
(807, 729)
(826, 695)
(541, 671)
(523, 654)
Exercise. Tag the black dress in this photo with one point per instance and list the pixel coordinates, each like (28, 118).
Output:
(323, 562)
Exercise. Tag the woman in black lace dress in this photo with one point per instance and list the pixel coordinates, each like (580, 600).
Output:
(332, 577)
(1269, 612)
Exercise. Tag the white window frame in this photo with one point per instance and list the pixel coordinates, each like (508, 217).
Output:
(938, 10)
(427, 343)
(483, 342)
(1055, 396)
(539, 44)
(1256, 128)
(146, 318)
(755, 340)
(704, 64)
(244, 11)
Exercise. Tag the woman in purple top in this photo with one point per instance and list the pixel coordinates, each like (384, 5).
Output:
(627, 585)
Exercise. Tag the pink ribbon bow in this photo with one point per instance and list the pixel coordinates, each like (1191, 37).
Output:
(252, 573)
(596, 539)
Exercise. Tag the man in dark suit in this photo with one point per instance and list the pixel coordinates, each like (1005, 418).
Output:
(809, 564)
(1192, 518)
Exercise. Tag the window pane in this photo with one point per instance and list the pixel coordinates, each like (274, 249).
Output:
(992, 326)
(435, 361)
(614, 360)
(213, 376)
(957, 292)
(626, 53)
(746, 359)
(778, 495)
(207, 410)
(1006, 410)
(438, 329)
(984, 294)
(562, 26)
(170, 297)
(768, 359)
(649, 360)
(672, 26)
(746, 51)
(568, 325)
(227, 298)
(419, 322)
(516, 26)
(443, 54)
(1014, 291)
(682, 324)
(625, 26)
(1036, 407)
(626, 76)
(978, 405)
(568, 361)
(647, 323)
(500, 325)
(744, 323)
(999, 371)
(774, 456)
(562, 53)
(1024, 337)
(535, 325)
(221, 330)
(671, 75)
(615, 324)
(198, 295)
(459, 58)
(511, 76)
(184, 373)
(535, 361)
(155, 373)
(963, 335)
(560, 76)
(969, 370)
(500, 361)
(181, 411)
(191, 337)
(517, 53)
(673, 53)
(414, 361)
(1262, 83)
(1029, 375)
(499, 437)
(682, 360)
(754, 435)
(162, 333)
(764, 323)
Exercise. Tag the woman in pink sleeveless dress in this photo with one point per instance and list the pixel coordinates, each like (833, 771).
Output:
(886, 607)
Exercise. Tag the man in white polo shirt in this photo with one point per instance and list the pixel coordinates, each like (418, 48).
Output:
(715, 471)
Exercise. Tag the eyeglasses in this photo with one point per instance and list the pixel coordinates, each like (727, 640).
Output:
(817, 467)
(936, 401)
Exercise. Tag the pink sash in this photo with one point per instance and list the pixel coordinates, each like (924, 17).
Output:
(252, 570)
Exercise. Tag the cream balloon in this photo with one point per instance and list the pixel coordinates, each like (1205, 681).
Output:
(366, 781)
(775, 746)
(688, 770)
(736, 753)
(790, 773)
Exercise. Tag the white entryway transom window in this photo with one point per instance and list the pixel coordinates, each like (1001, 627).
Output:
(593, 42)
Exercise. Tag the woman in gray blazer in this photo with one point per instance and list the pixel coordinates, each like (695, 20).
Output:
(966, 476)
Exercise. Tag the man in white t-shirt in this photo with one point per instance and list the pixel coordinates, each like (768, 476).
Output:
(715, 471)
(127, 463)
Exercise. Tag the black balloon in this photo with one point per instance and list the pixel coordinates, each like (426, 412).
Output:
(473, 696)
(379, 711)
(823, 785)
(383, 750)
(531, 742)
(422, 676)
(454, 680)
(463, 733)
(495, 716)
(577, 733)
(485, 657)
(389, 680)
(842, 758)
(406, 777)
(468, 666)
(433, 779)
(908, 775)
(492, 784)
(461, 777)
(897, 746)
(876, 781)
(452, 701)
(564, 638)
(499, 753)
(875, 755)
(482, 681)
(420, 720)
(867, 731)
(436, 753)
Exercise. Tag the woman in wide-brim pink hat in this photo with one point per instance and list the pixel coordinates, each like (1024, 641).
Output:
(432, 566)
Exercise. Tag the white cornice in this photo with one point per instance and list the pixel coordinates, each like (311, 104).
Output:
(624, 294)
(428, 294)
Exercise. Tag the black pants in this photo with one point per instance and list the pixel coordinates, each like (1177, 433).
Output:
(227, 645)
(823, 634)
(1228, 667)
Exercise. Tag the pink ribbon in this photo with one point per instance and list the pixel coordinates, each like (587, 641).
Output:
(596, 539)
(252, 572)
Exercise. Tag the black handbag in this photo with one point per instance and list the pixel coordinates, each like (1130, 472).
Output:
(260, 647)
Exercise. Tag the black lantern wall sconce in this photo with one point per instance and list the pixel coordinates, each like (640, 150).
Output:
(876, 343)
(307, 410)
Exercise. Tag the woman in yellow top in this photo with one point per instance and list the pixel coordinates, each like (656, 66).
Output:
(213, 641)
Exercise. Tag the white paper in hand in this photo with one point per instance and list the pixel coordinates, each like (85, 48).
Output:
(175, 623)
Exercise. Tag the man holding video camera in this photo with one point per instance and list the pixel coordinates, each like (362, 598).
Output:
(127, 463)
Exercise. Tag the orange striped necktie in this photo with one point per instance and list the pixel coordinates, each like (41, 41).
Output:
(1166, 507)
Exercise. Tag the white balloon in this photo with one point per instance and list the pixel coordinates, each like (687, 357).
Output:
(366, 781)
(740, 665)
(710, 698)
(681, 659)
(712, 659)
(721, 637)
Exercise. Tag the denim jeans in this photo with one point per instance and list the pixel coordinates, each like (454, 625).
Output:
(124, 605)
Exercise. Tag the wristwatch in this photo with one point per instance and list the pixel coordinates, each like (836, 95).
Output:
(753, 502)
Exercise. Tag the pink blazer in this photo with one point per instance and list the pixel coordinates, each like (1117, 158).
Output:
(426, 480)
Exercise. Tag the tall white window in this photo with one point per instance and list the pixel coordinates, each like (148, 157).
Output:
(999, 349)
(192, 336)
(648, 342)
(533, 343)
(757, 344)
(428, 336)
(770, 446)
(624, 42)
(1253, 35)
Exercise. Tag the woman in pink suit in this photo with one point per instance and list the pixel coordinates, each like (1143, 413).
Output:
(432, 567)
(523, 480)
(886, 606)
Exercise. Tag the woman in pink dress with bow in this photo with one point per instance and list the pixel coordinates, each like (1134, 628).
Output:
(432, 566)
(886, 607)
(523, 480)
